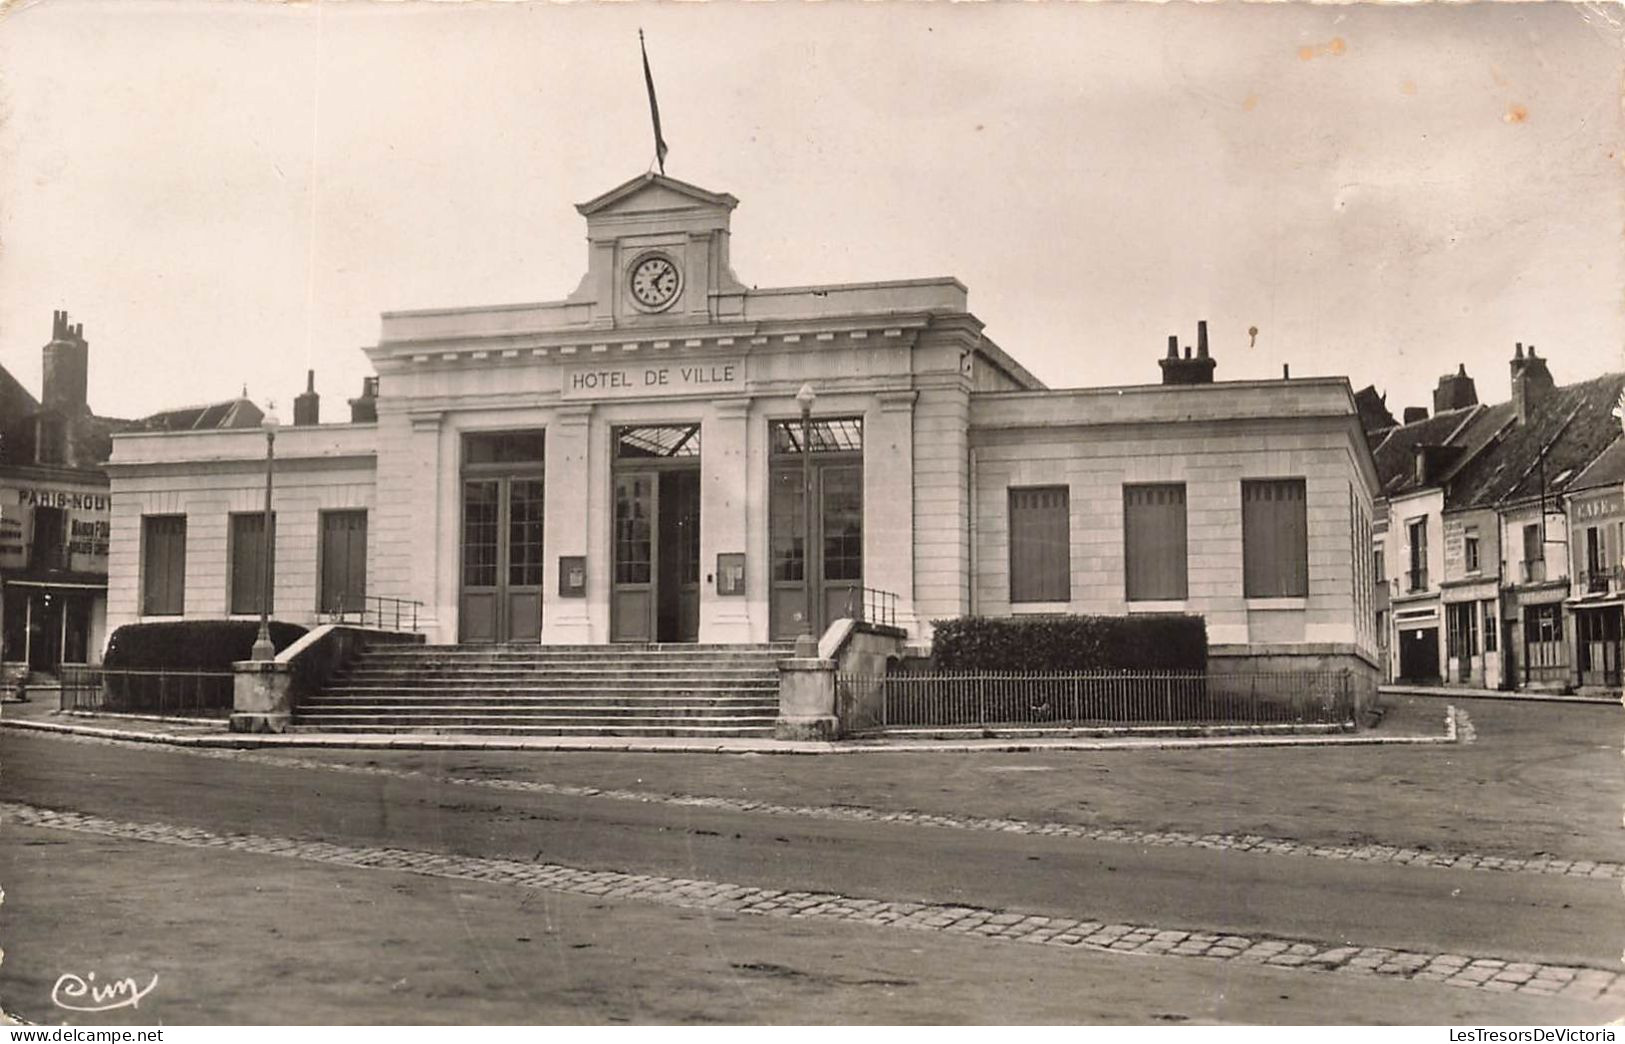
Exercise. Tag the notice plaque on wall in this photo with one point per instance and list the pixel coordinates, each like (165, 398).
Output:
(632, 381)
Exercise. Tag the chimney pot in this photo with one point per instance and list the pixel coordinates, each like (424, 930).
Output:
(1187, 351)
(1286, 372)
(307, 405)
(1201, 339)
(1518, 350)
(1173, 346)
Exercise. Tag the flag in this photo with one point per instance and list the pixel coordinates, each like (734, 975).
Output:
(654, 106)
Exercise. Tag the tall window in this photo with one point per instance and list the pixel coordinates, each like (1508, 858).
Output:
(1379, 567)
(344, 561)
(163, 565)
(1154, 542)
(1470, 548)
(1040, 545)
(1490, 625)
(248, 570)
(1534, 554)
(1275, 538)
(1417, 577)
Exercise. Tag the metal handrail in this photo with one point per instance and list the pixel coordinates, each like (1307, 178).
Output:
(381, 609)
(872, 605)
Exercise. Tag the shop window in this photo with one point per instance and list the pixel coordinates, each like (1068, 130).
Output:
(1275, 538)
(163, 565)
(1490, 625)
(248, 552)
(1040, 545)
(1154, 542)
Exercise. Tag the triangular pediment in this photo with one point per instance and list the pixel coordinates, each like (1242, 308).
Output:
(655, 192)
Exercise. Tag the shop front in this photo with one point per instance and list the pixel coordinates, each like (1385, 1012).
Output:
(53, 570)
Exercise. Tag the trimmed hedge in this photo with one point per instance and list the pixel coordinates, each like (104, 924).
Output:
(191, 645)
(1149, 642)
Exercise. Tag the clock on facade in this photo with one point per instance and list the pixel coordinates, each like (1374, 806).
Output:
(655, 281)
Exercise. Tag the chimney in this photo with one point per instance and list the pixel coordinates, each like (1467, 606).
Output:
(67, 367)
(1414, 414)
(1455, 391)
(364, 410)
(307, 407)
(1188, 370)
(1531, 382)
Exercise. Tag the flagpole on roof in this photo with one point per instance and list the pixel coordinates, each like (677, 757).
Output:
(654, 106)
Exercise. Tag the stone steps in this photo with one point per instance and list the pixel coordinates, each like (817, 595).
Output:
(597, 690)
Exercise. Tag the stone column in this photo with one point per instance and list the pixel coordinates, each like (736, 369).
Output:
(725, 518)
(807, 700)
(567, 621)
(888, 503)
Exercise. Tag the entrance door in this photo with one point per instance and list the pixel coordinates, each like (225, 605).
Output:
(655, 566)
(501, 589)
(1419, 654)
(834, 567)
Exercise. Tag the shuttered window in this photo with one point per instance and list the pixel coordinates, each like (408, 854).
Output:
(1040, 545)
(163, 565)
(1275, 538)
(344, 561)
(1154, 542)
(248, 562)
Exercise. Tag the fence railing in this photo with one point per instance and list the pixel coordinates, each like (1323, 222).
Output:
(870, 605)
(400, 614)
(1097, 698)
(178, 693)
(1600, 580)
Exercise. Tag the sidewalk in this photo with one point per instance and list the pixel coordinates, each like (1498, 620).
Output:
(37, 716)
(1463, 692)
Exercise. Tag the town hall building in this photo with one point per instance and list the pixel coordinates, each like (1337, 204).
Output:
(625, 465)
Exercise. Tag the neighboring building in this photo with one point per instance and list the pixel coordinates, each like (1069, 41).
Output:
(54, 513)
(625, 465)
(1502, 488)
(1596, 519)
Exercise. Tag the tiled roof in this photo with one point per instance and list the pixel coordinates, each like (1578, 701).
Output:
(1395, 451)
(1569, 428)
(1607, 470)
(231, 413)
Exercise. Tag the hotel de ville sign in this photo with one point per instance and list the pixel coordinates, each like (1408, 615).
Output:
(640, 380)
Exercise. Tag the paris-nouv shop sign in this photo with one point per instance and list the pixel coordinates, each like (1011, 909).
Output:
(640, 380)
(72, 520)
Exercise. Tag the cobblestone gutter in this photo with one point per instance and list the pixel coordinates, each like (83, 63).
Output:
(1011, 926)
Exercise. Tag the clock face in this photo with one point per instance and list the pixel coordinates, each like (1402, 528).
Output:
(655, 282)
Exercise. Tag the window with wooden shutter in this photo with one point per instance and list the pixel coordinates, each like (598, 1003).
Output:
(248, 567)
(163, 565)
(1275, 538)
(1040, 545)
(1154, 542)
(344, 561)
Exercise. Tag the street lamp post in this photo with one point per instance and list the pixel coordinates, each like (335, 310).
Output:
(807, 641)
(264, 649)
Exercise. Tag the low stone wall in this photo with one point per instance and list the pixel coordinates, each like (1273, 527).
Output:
(13, 682)
(809, 705)
(1330, 660)
(267, 691)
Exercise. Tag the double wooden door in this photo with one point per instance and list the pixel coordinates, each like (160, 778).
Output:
(656, 566)
(501, 597)
(833, 564)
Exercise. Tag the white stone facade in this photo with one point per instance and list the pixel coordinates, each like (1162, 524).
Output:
(949, 421)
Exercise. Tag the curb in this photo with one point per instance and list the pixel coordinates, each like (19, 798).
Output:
(1496, 694)
(311, 741)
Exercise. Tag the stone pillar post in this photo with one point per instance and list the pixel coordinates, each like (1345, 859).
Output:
(262, 696)
(807, 700)
(567, 621)
(888, 503)
(724, 518)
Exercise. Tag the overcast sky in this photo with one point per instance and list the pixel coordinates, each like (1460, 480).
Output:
(231, 193)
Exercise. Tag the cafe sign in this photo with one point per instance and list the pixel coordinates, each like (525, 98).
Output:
(621, 381)
(1600, 507)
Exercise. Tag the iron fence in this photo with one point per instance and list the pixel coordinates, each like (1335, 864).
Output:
(179, 693)
(400, 614)
(1097, 698)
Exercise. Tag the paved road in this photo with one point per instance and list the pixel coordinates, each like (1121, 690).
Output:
(392, 895)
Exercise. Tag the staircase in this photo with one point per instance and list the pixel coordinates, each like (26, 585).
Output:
(553, 690)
